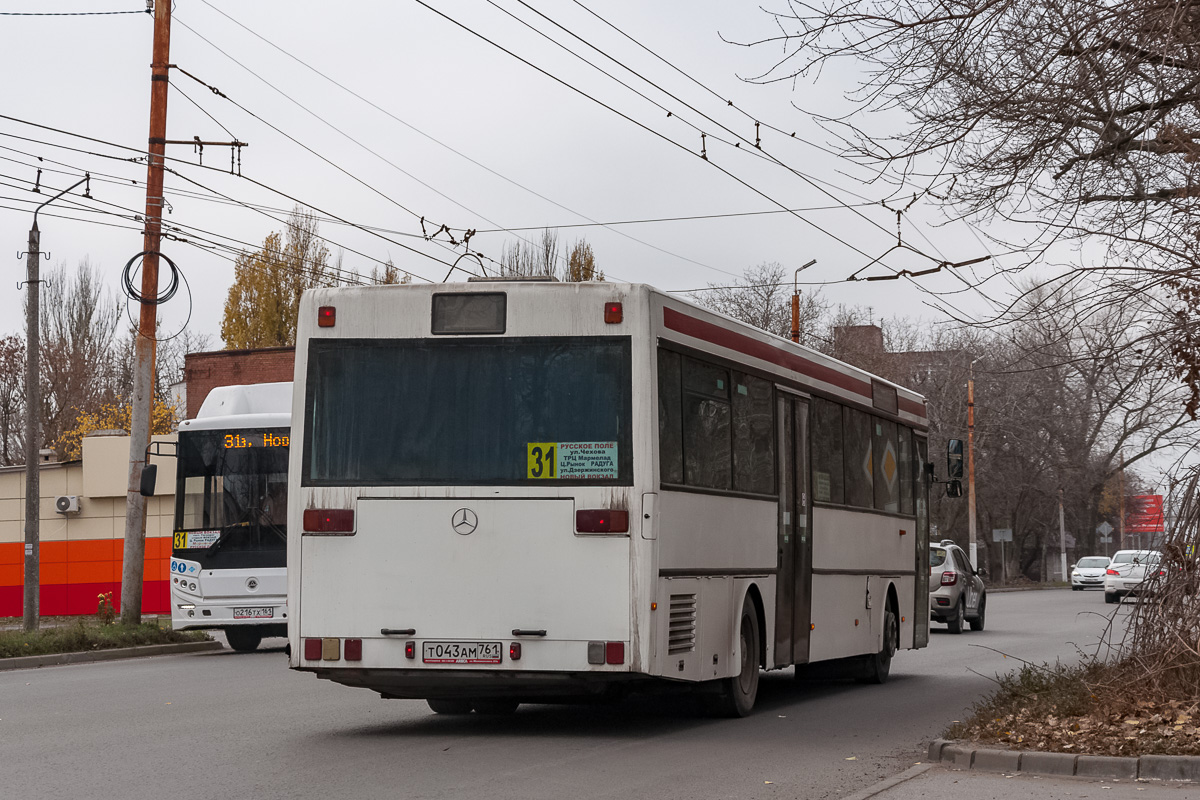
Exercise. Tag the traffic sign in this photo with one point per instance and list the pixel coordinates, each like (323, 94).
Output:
(1105, 540)
(1104, 529)
(1002, 534)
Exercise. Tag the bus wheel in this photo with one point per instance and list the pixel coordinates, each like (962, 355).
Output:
(244, 640)
(449, 705)
(497, 706)
(737, 694)
(877, 666)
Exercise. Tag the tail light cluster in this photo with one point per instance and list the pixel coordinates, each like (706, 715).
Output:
(1111, 572)
(330, 648)
(949, 578)
(602, 521)
(330, 521)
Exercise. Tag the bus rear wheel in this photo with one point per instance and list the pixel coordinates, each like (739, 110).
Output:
(449, 705)
(878, 666)
(738, 693)
(243, 639)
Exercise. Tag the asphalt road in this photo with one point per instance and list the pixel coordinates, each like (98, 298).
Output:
(242, 725)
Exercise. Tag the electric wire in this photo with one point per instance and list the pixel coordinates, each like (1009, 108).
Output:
(69, 13)
(460, 154)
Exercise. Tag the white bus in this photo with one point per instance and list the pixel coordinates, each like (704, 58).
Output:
(229, 551)
(511, 492)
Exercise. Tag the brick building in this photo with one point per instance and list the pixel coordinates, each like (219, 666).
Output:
(202, 372)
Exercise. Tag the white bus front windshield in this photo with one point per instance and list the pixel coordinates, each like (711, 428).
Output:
(500, 411)
(232, 498)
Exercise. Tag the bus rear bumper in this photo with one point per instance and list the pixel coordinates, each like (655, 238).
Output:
(422, 684)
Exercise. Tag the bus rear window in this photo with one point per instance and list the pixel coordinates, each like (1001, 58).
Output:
(447, 412)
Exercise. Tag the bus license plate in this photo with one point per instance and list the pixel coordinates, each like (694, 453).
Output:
(254, 613)
(461, 652)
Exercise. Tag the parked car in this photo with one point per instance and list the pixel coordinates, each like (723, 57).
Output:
(956, 591)
(1130, 573)
(1089, 572)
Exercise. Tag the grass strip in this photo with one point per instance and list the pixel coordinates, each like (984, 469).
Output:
(84, 636)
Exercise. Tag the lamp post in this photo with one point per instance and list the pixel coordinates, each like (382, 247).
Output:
(796, 300)
(971, 462)
(33, 407)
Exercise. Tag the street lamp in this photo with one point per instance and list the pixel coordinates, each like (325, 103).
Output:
(796, 300)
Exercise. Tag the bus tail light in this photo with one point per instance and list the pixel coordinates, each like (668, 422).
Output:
(949, 578)
(329, 520)
(613, 313)
(514, 651)
(614, 653)
(312, 649)
(601, 521)
(410, 649)
(353, 650)
(326, 316)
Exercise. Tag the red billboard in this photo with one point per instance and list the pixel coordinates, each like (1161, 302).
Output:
(1144, 513)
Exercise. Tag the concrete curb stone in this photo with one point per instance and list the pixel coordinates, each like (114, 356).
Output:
(1169, 768)
(32, 662)
(961, 755)
(1106, 767)
(997, 760)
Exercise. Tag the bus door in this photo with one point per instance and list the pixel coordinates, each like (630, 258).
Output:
(793, 587)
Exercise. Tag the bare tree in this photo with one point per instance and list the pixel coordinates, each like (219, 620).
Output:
(527, 259)
(761, 298)
(1080, 117)
(12, 398)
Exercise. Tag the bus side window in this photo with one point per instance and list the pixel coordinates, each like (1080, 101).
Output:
(860, 490)
(753, 435)
(670, 422)
(887, 465)
(707, 440)
(828, 475)
(906, 470)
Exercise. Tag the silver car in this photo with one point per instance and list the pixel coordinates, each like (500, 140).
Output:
(1089, 573)
(956, 592)
(1130, 572)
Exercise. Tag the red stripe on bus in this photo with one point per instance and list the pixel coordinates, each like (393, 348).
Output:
(731, 340)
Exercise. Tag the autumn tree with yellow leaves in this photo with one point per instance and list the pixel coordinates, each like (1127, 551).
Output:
(113, 417)
(264, 300)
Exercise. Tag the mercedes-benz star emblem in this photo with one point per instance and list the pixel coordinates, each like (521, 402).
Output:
(464, 521)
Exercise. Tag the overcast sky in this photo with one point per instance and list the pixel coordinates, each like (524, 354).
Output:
(459, 132)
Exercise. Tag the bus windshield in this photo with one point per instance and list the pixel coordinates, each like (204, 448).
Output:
(499, 411)
(232, 489)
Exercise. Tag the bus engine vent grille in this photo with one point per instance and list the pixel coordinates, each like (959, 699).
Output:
(681, 635)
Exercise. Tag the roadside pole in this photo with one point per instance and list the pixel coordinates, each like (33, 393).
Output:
(132, 568)
(1062, 535)
(971, 462)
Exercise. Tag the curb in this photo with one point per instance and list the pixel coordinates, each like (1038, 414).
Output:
(33, 662)
(960, 755)
(888, 783)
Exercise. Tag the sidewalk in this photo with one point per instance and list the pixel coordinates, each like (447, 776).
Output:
(942, 783)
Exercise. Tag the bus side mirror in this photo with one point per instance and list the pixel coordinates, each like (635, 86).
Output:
(149, 478)
(954, 488)
(954, 459)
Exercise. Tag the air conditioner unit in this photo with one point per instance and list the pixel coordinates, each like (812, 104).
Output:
(66, 503)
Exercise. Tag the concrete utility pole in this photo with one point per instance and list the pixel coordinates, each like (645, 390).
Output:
(971, 463)
(1062, 536)
(33, 409)
(1121, 499)
(132, 567)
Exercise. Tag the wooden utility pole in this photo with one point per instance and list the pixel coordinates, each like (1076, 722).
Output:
(132, 569)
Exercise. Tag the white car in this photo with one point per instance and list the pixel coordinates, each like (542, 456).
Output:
(1089, 572)
(1129, 573)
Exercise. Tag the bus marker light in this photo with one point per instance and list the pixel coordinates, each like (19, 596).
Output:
(514, 651)
(949, 578)
(601, 521)
(326, 316)
(410, 649)
(595, 652)
(312, 649)
(812, 626)
(612, 313)
(329, 520)
(331, 649)
(856, 623)
(654, 606)
(354, 649)
(903, 532)
(614, 653)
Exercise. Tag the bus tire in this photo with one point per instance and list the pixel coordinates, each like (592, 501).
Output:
(738, 692)
(243, 639)
(878, 666)
(955, 624)
(449, 705)
(495, 706)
